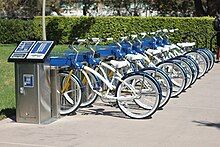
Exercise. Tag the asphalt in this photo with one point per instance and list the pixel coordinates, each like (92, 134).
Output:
(191, 120)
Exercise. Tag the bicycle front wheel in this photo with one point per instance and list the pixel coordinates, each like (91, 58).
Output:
(88, 95)
(71, 93)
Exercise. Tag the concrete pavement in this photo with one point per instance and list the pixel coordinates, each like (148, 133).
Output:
(191, 120)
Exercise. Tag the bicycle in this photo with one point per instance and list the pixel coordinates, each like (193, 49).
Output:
(171, 68)
(132, 90)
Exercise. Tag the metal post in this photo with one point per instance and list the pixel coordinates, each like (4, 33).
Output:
(43, 20)
(55, 96)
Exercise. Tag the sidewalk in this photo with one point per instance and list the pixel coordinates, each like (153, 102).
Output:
(191, 120)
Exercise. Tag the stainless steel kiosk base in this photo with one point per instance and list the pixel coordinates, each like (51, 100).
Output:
(35, 98)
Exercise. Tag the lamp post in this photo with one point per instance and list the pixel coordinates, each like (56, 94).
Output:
(43, 20)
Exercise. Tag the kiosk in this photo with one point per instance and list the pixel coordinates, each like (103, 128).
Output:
(36, 83)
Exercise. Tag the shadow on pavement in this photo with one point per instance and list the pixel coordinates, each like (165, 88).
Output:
(208, 124)
(105, 110)
(101, 111)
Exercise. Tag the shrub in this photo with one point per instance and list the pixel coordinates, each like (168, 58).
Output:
(14, 30)
(63, 29)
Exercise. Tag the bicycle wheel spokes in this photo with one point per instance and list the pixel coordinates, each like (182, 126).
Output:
(70, 98)
(88, 95)
(200, 60)
(177, 76)
(143, 105)
(144, 89)
(164, 82)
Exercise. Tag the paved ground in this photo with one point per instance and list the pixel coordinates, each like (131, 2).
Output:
(191, 120)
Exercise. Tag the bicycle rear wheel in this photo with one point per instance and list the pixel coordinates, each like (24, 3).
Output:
(193, 65)
(187, 68)
(146, 100)
(177, 75)
(206, 58)
(210, 56)
(164, 81)
(200, 60)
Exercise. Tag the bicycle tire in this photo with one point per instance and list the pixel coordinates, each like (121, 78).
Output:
(209, 55)
(164, 81)
(206, 58)
(139, 108)
(192, 64)
(200, 60)
(187, 68)
(169, 65)
(88, 96)
(70, 101)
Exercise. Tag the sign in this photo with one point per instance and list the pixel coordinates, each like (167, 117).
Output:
(40, 49)
(22, 50)
(31, 51)
(28, 80)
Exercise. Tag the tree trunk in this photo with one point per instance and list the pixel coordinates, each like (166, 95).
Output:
(85, 7)
(199, 8)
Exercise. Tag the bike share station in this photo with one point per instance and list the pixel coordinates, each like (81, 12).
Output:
(36, 83)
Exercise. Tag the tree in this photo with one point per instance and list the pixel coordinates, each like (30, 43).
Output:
(9, 7)
(127, 7)
(198, 7)
(86, 5)
(172, 7)
(31, 8)
(207, 7)
(20, 8)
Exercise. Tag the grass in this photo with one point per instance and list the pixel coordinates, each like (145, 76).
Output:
(7, 94)
(7, 82)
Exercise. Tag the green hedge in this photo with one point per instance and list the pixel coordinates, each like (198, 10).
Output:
(14, 30)
(63, 29)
